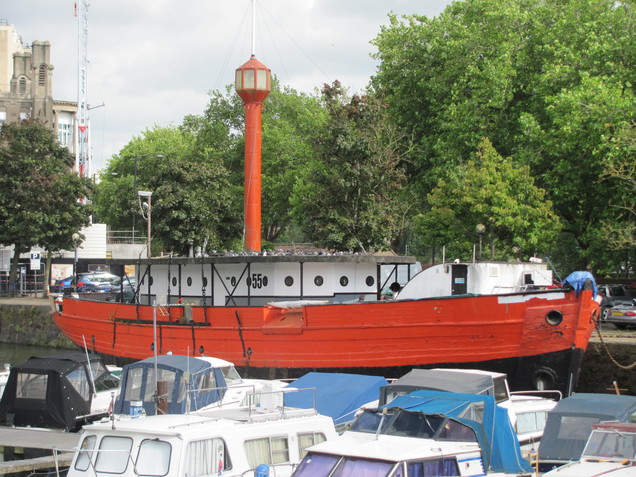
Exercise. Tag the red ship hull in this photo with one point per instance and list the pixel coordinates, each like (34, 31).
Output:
(545, 332)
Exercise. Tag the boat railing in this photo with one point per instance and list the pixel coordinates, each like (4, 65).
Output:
(554, 394)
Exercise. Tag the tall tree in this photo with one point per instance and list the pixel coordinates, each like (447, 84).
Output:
(42, 201)
(540, 79)
(191, 197)
(351, 196)
(489, 199)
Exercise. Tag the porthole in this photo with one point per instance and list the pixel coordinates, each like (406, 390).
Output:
(344, 281)
(205, 282)
(174, 281)
(233, 281)
(289, 280)
(151, 281)
(554, 317)
(318, 281)
(189, 281)
(370, 281)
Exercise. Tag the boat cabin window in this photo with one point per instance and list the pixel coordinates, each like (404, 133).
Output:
(619, 445)
(316, 465)
(206, 383)
(206, 457)
(533, 421)
(353, 466)
(80, 382)
(113, 455)
(153, 458)
(501, 389)
(31, 386)
(398, 422)
(267, 450)
(309, 439)
(231, 375)
(456, 431)
(433, 467)
(84, 456)
(576, 427)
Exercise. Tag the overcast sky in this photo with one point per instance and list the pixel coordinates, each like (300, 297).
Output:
(152, 62)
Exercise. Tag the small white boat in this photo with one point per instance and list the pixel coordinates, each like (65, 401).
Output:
(610, 451)
(184, 384)
(423, 433)
(223, 442)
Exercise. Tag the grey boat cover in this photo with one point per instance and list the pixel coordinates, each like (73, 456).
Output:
(438, 380)
(570, 423)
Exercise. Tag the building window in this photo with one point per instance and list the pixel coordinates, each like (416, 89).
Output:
(24, 116)
(22, 86)
(3, 117)
(42, 75)
(64, 134)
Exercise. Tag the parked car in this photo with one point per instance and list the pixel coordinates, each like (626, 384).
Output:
(622, 316)
(613, 295)
(91, 282)
(126, 284)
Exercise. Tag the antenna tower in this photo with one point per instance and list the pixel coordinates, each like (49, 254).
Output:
(82, 154)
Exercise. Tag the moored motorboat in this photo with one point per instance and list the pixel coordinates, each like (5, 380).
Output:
(224, 442)
(175, 384)
(570, 423)
(609, 451)
(423, 433)
(60, 391)
(284, 316)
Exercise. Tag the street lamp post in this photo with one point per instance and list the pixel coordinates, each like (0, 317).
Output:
(480, 229)
(75, 237)
(159, 156)
(148, 194)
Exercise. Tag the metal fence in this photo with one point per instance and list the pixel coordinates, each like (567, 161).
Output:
(28, 282)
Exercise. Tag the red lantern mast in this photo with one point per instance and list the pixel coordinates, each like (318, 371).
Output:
(253, 82)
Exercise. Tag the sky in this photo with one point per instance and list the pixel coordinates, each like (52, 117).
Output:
(153, 62)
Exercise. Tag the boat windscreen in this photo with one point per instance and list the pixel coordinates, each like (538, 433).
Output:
(397, 422)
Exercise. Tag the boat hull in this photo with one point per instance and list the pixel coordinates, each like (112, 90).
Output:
(537, 338)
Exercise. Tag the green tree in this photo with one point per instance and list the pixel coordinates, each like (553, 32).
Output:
(42, 201)
(351, 196)
(191, 194)
(492, 193)
(540, 79)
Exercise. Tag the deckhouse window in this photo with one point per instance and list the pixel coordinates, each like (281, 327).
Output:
(306, 440)
(438, 467)
(207, 457)
(113, 455)
(269, 450)
(84, 457)
(153, 458)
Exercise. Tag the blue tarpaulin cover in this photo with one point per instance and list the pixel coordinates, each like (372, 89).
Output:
(577, 279)
(338, 395)
(497, 439)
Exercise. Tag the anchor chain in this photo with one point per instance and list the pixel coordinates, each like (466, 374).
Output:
(600, 336)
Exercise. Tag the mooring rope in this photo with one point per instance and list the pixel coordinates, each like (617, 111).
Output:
(600, 336)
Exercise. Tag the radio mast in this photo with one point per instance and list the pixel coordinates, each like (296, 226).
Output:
(82, 155)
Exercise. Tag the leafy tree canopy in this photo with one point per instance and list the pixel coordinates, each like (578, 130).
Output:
(542, 80)
(351, 195)
(42, 201)
(491, 197)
